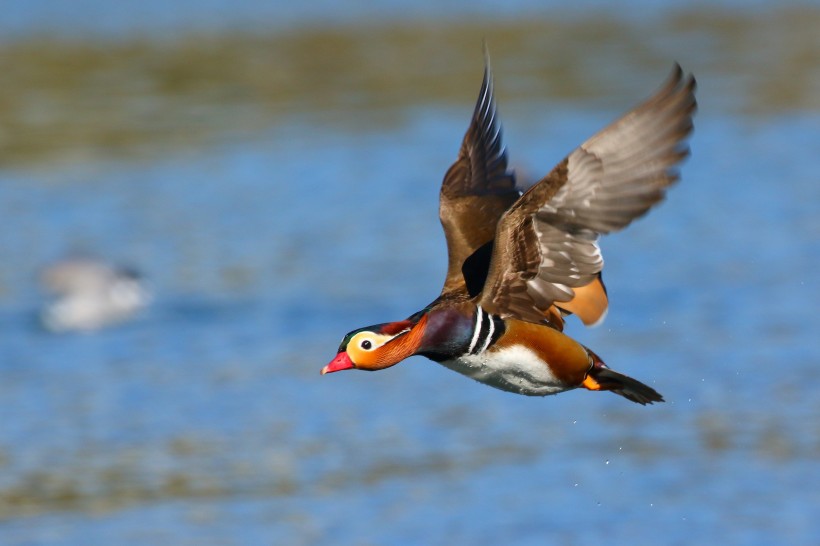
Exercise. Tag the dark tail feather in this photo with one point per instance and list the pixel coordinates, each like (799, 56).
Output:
(601, 378)
(631, 389)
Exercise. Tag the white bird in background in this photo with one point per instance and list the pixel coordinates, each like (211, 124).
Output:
(90, 294)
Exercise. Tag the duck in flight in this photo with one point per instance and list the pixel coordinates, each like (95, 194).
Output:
(519, 264)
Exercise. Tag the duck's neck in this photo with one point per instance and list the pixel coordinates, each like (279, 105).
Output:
(454, 331)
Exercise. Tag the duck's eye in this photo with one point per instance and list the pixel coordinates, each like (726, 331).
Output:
(366, 345)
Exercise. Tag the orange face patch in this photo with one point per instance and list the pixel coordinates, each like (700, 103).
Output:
(374, 351)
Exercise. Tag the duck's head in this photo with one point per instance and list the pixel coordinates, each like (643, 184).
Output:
(377, 347)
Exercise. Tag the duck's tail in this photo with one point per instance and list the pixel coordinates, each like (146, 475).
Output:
(601, 378)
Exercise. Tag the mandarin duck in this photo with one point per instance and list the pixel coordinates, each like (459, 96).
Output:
(518, 264)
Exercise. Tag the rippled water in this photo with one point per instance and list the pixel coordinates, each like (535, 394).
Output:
(280, 188)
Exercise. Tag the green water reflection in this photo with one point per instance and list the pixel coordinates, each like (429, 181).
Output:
(78, 101)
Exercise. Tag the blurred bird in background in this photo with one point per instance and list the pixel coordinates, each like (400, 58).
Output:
(89, 294)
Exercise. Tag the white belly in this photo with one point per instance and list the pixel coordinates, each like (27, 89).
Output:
(514, 369)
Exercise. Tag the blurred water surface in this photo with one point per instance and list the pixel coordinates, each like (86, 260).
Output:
(279, 187)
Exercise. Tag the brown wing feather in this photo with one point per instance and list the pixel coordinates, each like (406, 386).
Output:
(477, 189)
(546, 244)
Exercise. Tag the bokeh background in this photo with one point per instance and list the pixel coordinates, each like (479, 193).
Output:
(273, 168)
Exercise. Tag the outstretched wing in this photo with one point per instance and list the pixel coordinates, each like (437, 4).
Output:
(546, 244)
(476, 191)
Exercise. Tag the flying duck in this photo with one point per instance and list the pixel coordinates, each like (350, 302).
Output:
(518, 264)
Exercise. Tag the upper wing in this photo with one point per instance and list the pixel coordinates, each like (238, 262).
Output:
(476, 191)
(546, 244)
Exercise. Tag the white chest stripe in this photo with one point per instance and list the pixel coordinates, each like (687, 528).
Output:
(477, 331)
(489, 334)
